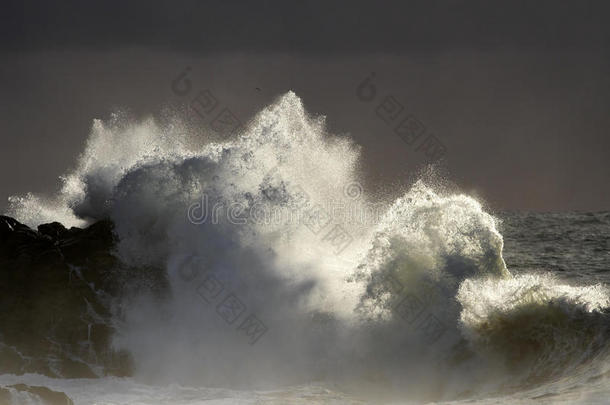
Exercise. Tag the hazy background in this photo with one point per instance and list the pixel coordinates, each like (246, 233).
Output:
(517, 91)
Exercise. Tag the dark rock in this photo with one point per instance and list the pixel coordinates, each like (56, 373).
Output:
(54, 230)
(56, 291)
(5, 396)
(44, 394)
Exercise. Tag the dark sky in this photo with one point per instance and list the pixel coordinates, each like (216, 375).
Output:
(517, 91)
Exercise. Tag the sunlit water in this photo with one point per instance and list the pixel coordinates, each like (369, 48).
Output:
(422, 298)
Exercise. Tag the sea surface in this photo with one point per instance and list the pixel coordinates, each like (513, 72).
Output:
(259, 270)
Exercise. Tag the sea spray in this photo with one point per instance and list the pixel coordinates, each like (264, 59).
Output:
(418, 303)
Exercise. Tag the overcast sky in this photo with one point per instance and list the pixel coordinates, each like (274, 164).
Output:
(518, 92)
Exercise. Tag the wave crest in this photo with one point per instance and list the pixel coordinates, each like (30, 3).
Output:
(430, 293)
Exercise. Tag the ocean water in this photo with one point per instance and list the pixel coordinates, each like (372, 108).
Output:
(289, 283)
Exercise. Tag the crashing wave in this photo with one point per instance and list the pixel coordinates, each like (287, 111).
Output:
(407, 300)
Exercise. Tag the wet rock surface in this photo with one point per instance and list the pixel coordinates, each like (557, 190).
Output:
(15, 394)
(57, 288)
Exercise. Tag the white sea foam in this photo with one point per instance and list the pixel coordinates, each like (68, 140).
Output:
(410, 303)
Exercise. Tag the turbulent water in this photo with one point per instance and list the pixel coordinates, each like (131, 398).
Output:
(284, 281)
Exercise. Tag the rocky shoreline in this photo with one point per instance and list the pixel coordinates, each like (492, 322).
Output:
(20, 392)
(57, 291)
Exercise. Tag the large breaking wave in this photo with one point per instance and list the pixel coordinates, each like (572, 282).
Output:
(325, 282)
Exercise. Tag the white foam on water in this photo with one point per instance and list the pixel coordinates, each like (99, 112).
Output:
(417, 300)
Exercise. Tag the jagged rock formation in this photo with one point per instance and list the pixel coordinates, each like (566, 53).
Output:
(16, 393)
(57, 287)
